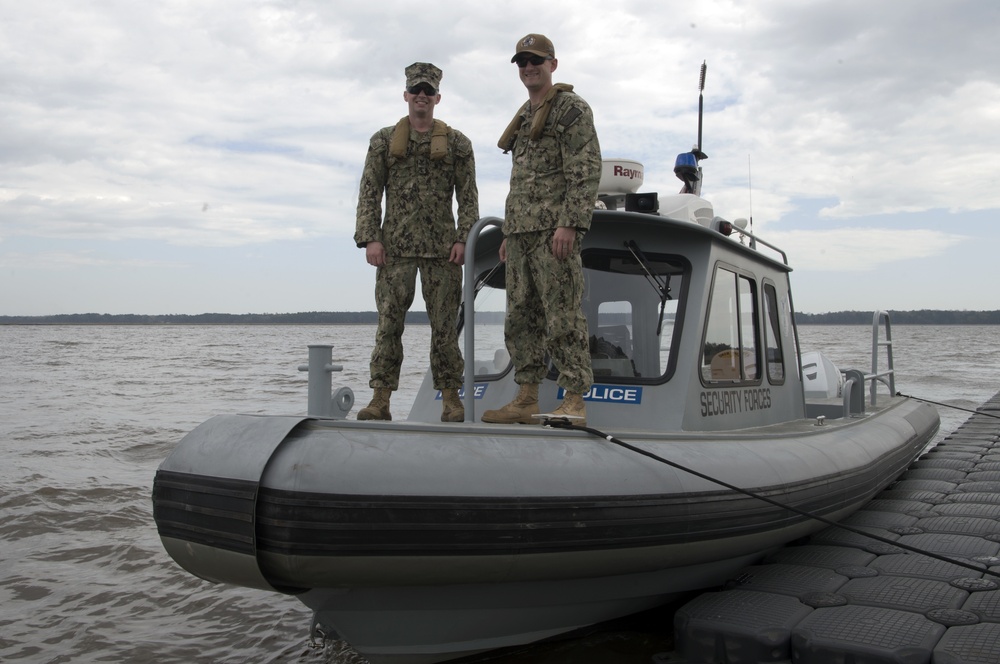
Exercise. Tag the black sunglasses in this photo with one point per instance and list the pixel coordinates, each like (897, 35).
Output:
(426, 88)
(522, 61)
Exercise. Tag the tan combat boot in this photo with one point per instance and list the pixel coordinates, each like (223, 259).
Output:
(452, 409)
(572, 408)
(378, 409)
(518, 411)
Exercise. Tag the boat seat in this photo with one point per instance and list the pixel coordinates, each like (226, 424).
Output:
(501, 358)
(725, 365)
(607, 358)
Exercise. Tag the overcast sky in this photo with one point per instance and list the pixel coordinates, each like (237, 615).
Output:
(183, 157)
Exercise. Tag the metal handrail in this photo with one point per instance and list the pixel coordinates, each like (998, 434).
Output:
(469, 312)
(754, 240)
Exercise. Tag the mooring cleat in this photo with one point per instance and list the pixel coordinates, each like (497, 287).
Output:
(561, 421)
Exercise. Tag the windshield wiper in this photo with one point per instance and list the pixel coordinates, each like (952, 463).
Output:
(662, 287)
(482, 281)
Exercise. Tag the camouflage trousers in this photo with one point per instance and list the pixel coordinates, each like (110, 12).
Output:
(395, 287)
(544, 312)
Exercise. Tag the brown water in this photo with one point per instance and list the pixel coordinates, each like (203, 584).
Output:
(88, 413)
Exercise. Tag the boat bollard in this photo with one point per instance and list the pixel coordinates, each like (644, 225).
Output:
(321, 402)
(854, 393)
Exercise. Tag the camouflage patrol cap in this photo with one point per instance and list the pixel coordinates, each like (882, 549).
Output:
(536, 44)
(423, 72)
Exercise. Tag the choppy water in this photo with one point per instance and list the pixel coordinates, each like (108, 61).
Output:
(88, 413)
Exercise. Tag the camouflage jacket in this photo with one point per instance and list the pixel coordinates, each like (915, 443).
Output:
(554, 180)
(419, 221)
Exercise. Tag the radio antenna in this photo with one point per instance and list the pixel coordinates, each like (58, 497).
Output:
(701, 107)
(686, 167)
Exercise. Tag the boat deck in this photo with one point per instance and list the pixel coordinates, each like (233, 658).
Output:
(842, 597)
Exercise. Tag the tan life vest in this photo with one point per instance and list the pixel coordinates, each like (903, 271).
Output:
(401, 137)
(541, 114)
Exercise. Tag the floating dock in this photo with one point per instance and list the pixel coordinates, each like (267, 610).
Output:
(843, 598)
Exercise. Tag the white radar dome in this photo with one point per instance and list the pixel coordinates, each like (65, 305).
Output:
(620, 176)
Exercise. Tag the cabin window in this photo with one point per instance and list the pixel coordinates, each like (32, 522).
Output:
(772, 336)
(611, 350)
(491, 356)
(632, 300)
(787, 317)
(730, 349)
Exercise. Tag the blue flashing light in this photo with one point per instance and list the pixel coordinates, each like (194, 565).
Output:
(686, 167)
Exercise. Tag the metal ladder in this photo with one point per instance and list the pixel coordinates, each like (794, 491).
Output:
(854, 401)
(887, 377)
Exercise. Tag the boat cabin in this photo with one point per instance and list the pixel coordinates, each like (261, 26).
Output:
(690, 319)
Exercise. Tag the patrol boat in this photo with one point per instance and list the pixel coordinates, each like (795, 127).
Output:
(710, 440)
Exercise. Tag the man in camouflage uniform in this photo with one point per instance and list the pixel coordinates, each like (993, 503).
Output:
(418, 164)
(553, 187)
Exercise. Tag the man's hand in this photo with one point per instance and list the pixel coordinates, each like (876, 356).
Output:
(562, 242)
(375, 254)
(457, 253)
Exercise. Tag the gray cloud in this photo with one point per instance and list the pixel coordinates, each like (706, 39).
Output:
(223, 123)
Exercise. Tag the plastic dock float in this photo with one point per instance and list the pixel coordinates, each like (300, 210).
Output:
(842, 598)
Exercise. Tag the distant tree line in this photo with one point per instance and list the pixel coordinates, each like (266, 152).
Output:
(921, 317)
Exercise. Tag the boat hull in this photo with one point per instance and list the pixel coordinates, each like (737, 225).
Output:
(420, 624)
(421, 543)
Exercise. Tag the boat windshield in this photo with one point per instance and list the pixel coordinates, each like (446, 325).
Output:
(632, 301)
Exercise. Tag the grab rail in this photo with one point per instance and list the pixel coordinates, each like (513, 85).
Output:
(469, 313)
(754, 240)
